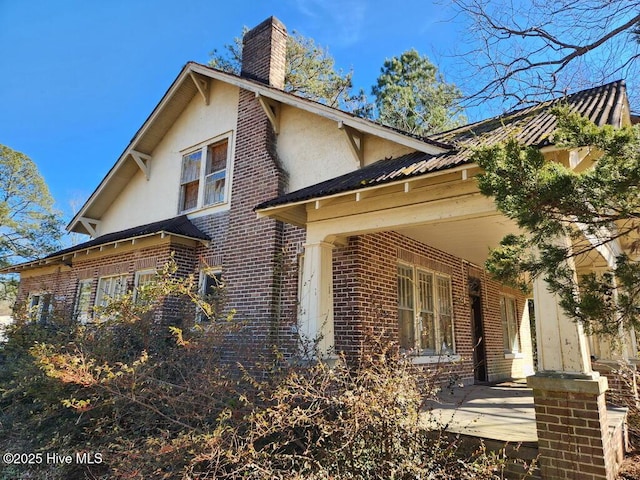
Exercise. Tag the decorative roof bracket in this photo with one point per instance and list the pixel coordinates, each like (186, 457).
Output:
(272, 110)
(355, 138)
(91, 225)
(202, 85)
(142, 159)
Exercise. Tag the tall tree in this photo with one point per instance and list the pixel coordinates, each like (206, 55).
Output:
(310, 72)
(528, 50)
(595, 207)
(29, 225)
(413, 96)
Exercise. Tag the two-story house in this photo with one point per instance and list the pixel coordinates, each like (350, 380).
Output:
(327, 227)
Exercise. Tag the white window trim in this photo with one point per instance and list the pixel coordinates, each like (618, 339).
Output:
(85, 317)
(510, 352)
(111, 295)
(438, 356)
(200, 208)
(136, 279)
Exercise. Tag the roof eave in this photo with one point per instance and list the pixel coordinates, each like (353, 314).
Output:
(60, 259)
(285, 211)
(427, 145)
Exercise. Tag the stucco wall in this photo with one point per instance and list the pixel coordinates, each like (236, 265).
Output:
(313, 149)
(145, 201)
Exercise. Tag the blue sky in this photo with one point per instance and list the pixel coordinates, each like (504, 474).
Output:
(81, 76)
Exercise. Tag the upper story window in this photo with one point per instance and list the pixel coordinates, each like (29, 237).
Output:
(203, 179)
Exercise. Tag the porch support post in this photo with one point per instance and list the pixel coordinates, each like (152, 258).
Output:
(562, 343)
(315, 321)
(574, 440)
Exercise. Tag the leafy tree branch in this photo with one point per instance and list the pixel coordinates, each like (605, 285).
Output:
(594, 208)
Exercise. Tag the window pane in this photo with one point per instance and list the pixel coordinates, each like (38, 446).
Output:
(83, 301)
(143, 277)
(427, 334)
(509, 324)
(191, 167)
(514, 340)
(217, 157)
(406, 324)
(190, 195)
(406, 329)
(214, 188)
(445, 310)
(427, 326)
(213, 291)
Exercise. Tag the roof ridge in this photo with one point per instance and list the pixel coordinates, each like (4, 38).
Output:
(535, 106)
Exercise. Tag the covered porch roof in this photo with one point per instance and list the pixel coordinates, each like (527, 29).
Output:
(177, 227)
(432, 197)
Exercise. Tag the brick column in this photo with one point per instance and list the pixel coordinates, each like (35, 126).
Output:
(571, 414)
(573, 436)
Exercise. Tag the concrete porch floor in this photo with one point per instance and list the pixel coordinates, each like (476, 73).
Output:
(503, 412)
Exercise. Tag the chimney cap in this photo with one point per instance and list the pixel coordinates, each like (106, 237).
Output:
(267, 23)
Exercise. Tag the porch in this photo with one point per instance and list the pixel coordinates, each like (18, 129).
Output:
(503, 416)
(503, 412)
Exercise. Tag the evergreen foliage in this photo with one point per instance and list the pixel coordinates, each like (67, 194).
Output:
(596, 208)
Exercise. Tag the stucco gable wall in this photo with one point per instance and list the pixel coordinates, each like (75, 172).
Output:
(144, 201)
(313, 149)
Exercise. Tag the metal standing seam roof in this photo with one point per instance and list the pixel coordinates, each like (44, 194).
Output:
(532, 126)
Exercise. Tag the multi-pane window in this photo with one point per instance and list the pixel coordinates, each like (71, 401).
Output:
(212, 291)
(425, 311)
(83, 301)
(509, 316)
(203, 177)
(143, 277)
(110, 288)
(40, 306)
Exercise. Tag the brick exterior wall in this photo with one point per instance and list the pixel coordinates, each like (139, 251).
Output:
(366, 299)
(63, 283)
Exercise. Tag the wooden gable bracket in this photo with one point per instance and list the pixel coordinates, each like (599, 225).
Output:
(272, 110)
(142, 159)
(355, 138)
(202, 85)
(91, 225)
(577, 155)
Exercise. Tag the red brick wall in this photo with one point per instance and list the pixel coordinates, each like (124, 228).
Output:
(365, 298)
(252, 250)
(573, 438)
(63, 284)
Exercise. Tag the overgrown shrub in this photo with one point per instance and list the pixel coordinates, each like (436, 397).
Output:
(157, 400)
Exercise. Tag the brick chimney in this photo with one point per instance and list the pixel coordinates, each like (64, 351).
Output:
(264, 51)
